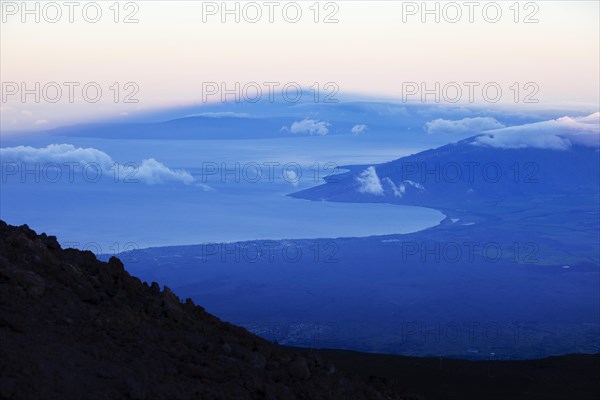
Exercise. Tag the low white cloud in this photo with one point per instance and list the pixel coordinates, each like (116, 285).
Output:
(400, 189)
(556, 134)
(41, 122)
(369, 182)
(148, 171)
(462, 126)
(154, 172)
(310, 126)
(416, 185)
(358, 129)
(397, 190)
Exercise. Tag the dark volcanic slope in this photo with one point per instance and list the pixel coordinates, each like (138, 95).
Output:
(72, 327)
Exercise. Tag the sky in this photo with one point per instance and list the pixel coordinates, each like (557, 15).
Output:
(182, 52)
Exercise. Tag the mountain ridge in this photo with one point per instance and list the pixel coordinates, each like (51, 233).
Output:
(74, 327)
(465, 172)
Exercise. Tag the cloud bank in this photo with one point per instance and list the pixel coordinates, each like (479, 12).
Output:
(148, 171)
(462, 126)
(556, 134)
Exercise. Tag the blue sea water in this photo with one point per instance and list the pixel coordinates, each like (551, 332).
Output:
(229, 204)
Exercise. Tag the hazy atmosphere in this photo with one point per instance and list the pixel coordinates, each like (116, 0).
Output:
(304, 200)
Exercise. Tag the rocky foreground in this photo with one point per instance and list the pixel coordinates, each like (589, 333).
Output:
(72, 327)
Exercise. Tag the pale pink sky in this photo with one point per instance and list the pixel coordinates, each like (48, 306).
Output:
(170, 52)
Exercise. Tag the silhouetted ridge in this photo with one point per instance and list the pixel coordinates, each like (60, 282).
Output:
(72, 327)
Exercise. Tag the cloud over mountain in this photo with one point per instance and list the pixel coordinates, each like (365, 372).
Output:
(556, 134)
(400, 189)
(465, 125)
(369, 182)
